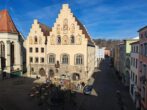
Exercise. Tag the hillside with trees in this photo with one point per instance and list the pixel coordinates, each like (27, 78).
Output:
(108, 43)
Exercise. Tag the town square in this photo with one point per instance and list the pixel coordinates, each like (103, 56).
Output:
(73, 55)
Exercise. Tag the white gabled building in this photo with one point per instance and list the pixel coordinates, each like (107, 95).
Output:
(11, 42)
(101, 53)
(69, 51)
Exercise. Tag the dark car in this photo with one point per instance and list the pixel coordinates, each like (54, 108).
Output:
(87, 89)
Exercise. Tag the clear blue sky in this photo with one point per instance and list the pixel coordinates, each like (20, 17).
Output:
(117, 19)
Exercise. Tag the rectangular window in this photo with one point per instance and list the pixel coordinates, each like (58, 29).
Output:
(145, 49)
(137, 49)
(136, 63)
(133, 76)
(36, 60)
(144, 70)
(141, 49)
(31, 60)
(140, 66)
(42, 50)
(131, 61)
(36, 50)
(135, 79)
(145, 34)
(42, 60)
(31, 49)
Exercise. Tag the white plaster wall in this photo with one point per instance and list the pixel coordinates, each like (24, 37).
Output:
(5, 37)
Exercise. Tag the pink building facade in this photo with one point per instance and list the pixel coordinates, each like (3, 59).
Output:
(143, 67)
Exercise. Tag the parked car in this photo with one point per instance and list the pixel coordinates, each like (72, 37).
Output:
(87, 89)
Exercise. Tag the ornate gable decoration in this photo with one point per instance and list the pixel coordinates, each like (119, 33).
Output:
(67, 25)
(38, 33)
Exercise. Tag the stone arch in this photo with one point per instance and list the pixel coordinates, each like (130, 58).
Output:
(75, 76)
(42, 72)
(51, 73)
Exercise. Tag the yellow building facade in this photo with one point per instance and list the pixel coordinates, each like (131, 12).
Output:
(69, 52)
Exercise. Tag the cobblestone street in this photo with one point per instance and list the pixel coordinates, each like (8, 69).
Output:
(14, 93)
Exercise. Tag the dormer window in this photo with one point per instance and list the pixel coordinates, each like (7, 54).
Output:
(35, 40)
(72, 39)
(58, 39)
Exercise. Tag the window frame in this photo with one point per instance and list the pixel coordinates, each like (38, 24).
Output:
(41, 60)
(42, 48)
(36, 49)
(30, 60)
(30, 49)
(54, 60)
(59, 43)
(66, 61)
(36, 61)
(82, 56)
(72, 36)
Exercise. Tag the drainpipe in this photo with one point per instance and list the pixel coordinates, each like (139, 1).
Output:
(46, 57)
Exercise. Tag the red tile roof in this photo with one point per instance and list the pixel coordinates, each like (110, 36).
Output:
(84, 31)
(45, 29)
(6, 23)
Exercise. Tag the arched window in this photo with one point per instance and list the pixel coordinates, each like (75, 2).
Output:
(51, 58)
(58, 39)
(65, 59)
(2, 49)
(75, 76)
(12, 53)
(35, 40)
(72, 39)
(79, 60)
(2, 55)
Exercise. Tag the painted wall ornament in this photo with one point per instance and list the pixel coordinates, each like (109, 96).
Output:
(72, 30)
(79, 39)
(65, 39)
(40, 40)
(30, 40)
(65, 26)
(58, 28)
(52, 40)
